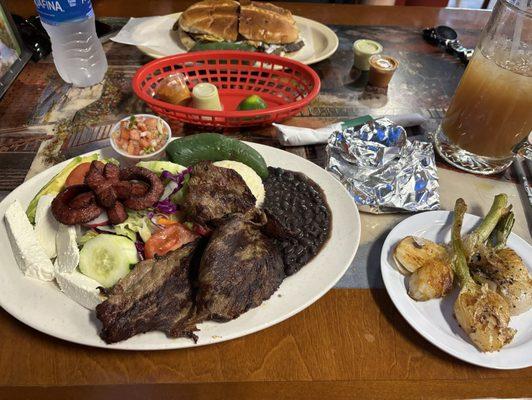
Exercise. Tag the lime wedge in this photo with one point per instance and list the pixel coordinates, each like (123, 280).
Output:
(252, 102)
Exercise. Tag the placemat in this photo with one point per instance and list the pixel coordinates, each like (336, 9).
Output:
(45, 121)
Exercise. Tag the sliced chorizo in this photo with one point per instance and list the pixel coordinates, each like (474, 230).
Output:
(117, 214)
(68, 215)
(155, 187)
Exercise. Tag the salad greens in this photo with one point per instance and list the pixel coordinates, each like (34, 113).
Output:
(112, 161)
(179, 196)
(177, 183)
(159, 166)
(90, 234)
(136, 222)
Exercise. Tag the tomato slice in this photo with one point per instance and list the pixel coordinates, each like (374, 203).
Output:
(77, 176)
(170, 238)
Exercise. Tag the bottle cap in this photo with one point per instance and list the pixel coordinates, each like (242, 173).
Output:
(55, 12)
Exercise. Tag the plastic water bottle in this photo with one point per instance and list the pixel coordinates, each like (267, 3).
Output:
(77, 51)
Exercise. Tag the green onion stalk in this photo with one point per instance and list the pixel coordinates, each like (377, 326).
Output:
(482, 313)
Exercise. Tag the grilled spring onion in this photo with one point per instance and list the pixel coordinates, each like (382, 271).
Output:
(503, 270)
(482, 313)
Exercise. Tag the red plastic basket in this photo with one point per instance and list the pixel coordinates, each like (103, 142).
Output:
(287, 86)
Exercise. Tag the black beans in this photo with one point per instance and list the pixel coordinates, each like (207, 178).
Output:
(300, 206)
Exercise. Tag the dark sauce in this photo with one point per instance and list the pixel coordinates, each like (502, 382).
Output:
(299, 205)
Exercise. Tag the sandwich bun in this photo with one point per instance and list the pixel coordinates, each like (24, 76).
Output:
(265, 22)
(262, 25)
(215, 18)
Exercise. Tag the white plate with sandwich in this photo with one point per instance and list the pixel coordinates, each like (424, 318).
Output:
(263, 26)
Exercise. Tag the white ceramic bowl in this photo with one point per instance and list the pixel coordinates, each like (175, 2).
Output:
(129, 158)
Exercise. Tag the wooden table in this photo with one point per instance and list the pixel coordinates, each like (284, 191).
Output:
(350, 344)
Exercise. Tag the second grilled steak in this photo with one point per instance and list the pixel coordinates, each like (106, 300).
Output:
(156, 295)
(214, 193)
(239, 269)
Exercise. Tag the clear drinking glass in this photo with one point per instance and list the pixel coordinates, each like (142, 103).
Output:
(491, 111)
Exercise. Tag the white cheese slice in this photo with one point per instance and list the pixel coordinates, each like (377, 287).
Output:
(67, 249)
(30, 256)
(46, 225)
(80, 288)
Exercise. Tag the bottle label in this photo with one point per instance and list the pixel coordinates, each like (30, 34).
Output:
(54, 12)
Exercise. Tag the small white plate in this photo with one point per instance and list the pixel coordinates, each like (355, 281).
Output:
(434, 319)
(42, 306)
(320, 41)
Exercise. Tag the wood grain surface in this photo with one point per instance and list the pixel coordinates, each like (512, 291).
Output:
(350, 344)
(345, 14)
(354, 340)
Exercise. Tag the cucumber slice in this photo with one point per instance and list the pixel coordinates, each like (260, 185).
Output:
(107, 258)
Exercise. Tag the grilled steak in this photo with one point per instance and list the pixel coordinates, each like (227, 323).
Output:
(239, 269)
(156, 295)
(214, 193)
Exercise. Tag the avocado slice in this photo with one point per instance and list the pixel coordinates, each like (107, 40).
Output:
(57, 183)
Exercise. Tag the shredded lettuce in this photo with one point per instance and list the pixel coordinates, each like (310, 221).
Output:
(112, 161)
(90, 234)
(136, 222)
(179, 196)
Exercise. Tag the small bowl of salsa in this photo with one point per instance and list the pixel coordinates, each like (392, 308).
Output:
(140, 136)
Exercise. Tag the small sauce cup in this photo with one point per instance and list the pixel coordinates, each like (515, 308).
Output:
(363, 49)
(381, 70)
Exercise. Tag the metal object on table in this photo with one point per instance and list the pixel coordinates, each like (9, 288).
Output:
(383, 170)
(521, 174)
(523, 168)
(447, 37)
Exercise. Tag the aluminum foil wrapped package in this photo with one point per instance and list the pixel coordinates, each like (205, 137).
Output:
(383, 170)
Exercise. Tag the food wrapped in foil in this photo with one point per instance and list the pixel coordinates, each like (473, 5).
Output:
(383, 170)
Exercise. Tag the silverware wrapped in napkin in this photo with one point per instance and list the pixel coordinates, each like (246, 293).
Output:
(298, 136)
(382, 169)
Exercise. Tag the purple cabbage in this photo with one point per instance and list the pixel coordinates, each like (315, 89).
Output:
(139, 244)
(179, 179)
(166, 207)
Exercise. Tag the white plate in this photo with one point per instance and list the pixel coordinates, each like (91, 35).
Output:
(320, 41)
(434, 319)
(42, 306)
